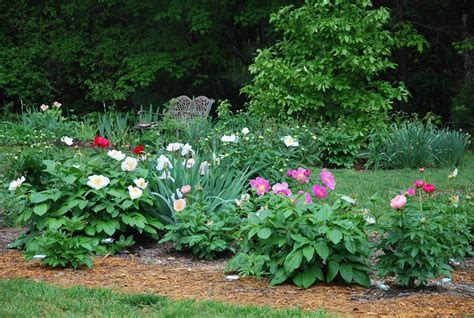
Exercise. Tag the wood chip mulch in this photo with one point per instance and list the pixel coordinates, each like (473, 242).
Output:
(179, 281)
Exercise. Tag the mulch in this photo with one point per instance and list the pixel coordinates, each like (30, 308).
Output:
(160, 270)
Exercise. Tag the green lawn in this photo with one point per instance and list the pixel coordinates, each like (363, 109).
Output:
(23, 298)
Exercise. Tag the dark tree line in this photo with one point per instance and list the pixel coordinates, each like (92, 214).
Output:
(130, 52)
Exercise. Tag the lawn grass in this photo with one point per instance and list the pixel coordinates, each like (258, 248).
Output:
(385, 184)
(23, 298)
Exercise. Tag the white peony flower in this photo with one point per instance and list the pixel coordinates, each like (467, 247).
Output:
(166, 175)
(57, 104)
(453, 174)
(186, 149)
(67, 140)
(108, 240)
(179, 205)
(44, 107)
(39, 256)
(134, 192)
(16, 183)
(163, 163)
(174, 146)
(129, 164)
(369, 220)
(98, 181)
(245, 131)
(190, 163)
(141, 183)
(290, 141)
(117, 155)
(231, 138)
(203, 167)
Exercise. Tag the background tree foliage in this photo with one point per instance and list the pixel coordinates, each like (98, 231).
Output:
(329, 63)
(131, 52)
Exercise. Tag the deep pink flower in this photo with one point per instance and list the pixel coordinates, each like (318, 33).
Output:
(419, 183)
(320, 191)
(328, 179)
(411, 192)
(398, 202)
(281, 188)
(261, 185)
(429, 188)
(300, 174)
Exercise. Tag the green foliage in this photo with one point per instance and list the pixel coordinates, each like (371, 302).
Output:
(413, 144)
(115, 126)
(204, 234)
(328, 64)
(67, 211)
(219, 185)
(419, 240)
(303, 243)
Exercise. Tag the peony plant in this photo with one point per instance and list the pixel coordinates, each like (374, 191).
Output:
(424, 230)
(302, 233)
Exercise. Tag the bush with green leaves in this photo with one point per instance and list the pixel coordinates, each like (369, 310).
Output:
(204, 234)
(414, 145)
(421, 236)
(291, 238)
(329, 64)
(85, 199)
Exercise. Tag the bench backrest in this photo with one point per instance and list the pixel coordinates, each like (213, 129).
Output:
(185, 108)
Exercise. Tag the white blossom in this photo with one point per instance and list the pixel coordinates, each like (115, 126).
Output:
(98, 181)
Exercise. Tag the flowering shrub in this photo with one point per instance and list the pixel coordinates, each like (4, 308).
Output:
(302, 238)
(85, 202)
(421, 234)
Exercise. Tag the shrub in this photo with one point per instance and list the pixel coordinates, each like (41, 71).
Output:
(287, 237)
(420, 237)
(204, 234)
(101, 206)
(324, 68)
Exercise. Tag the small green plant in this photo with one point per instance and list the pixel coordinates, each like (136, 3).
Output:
(204, 234)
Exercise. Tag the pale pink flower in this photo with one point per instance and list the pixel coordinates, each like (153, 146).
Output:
(281, 188)
(186, 188)
(320, 191)
(398, 202)
(179, 205)
(261, 185)
(328, 179)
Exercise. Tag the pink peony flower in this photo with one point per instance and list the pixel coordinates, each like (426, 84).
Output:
(186, 189)
(419, 183)
(320, 191)
(261, 185)
(328, 179)
(300, 174)
(411, 192)
(281, 188)
(429, 188)
(307, 197)
(398, 202)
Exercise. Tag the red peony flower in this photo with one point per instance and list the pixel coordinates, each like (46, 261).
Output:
(101, 142)
(138, 149)
(429, 188)
(419, 183)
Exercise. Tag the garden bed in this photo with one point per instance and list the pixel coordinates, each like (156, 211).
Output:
(157, 269)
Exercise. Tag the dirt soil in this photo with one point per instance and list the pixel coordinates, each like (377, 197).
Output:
(158, 269)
